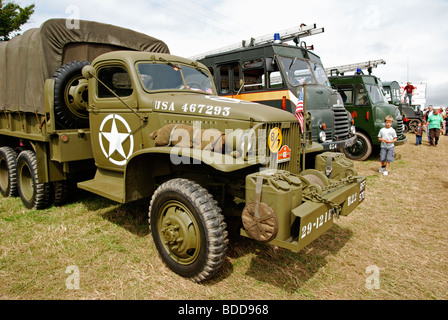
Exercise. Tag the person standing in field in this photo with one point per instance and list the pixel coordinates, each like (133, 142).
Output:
(409, 89)
(388, 137)
(428, 113)
(418, 134)
(446, 121)
(445, 117)
(435, 125)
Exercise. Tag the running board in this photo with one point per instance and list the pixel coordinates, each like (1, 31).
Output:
(108, 184)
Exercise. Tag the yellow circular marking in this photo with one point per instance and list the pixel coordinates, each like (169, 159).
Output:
(275, 140)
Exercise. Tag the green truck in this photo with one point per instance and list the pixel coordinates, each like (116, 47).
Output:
(139, 123)
(364, 98)
(271, 71)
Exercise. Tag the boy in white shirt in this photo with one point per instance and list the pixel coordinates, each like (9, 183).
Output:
(388, 137)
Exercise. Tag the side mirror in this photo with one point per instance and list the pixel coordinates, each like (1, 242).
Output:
(88, 72)
(270, 64)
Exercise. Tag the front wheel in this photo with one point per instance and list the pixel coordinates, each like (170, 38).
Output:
(361, 149)
(188, 229)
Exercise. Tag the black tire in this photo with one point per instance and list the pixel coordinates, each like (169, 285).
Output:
(60, 192)
(188, 229)
(70, 96)
(413, 125)
(405, 128)
(361, 149)
(8, 172)
(34, 195)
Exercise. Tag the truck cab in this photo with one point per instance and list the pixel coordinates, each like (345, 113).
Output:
(275, 73)
(364, 98)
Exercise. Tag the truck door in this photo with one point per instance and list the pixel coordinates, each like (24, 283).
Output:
(356, 101)
(113, 125)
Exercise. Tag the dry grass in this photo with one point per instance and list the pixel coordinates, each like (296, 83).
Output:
(401, 228)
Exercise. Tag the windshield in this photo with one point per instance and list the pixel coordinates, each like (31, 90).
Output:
(319, 73)
(376, 95)
(161, 76)
(298, 71)
(396, 95)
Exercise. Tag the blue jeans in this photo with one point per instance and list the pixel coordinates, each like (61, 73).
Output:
(418, 140)
(409, 97)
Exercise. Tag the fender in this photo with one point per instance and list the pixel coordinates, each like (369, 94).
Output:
(139, 173)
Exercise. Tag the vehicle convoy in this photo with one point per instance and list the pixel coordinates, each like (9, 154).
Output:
(364, 97)
(270, 71)
(140, 123)
(411, 116)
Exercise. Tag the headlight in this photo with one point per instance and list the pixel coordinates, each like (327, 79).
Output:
(353, 130)
(241, 141)
(322, 136)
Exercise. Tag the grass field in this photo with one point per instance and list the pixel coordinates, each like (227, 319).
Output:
(394, 246)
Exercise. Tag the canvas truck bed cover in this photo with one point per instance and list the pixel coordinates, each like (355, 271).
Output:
(26, 61)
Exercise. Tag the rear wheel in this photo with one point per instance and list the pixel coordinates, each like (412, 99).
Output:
(34, 195)
(361, 149)
(60, 192)
(8, 172)
(413, 125)
(188, 229)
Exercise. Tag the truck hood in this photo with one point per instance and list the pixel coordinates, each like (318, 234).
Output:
(383, 110)
(213, 107)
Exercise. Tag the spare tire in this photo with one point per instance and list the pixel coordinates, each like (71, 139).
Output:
(71, 96)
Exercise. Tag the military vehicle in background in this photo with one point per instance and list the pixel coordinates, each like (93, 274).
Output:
(270, 71)
(139, 123)
(364, 97)
(411, 116)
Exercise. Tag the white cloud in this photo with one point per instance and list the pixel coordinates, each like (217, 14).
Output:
(403, 32)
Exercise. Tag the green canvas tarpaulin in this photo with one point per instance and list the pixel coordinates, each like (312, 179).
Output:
(26, 61)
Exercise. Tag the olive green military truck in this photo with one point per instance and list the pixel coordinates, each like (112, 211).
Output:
(139, 123)
(364, 97)
(272, 71)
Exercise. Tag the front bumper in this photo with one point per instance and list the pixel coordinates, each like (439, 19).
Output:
(336, 145)
(305, 212)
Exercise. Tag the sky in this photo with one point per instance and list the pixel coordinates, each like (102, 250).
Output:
(411, 36)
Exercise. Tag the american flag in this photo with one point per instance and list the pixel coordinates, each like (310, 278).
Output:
(299, 110)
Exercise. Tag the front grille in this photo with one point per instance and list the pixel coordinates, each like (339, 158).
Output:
(341, 126)
(291, 138)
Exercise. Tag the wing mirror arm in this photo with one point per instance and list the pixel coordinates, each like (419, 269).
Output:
(90, 72)
(241, 88)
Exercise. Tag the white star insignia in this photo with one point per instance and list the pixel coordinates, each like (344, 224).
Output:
(116, 140)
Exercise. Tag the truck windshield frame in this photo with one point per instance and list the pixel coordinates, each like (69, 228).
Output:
(319, 73)
(375, 93)
(168, 76)
(297, 71)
